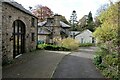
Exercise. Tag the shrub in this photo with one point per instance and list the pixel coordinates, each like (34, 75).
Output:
(115, 61)
(110, 73)
(111, 59)
(102, 66)
(64, 49)
(109, 64)
(100, 52)
(97, 60)
(52, 47)
(86, 44)
(106, 72)
(48, 47)
(41, 46)
(108, 59)
(69, 43)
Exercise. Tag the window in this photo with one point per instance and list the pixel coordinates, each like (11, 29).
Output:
(33, 22)
(93, 40)
(33, 35)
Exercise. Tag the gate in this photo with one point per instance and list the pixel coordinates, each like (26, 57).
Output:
(18, 38)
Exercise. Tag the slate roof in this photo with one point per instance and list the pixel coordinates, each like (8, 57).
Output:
(17, 5)
(62, 24)
(43, 32)
(83, 31)
(74, 32)
(42, 23)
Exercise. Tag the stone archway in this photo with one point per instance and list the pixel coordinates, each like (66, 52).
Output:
(18, 38)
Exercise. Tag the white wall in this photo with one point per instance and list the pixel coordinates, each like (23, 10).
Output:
(86, 36)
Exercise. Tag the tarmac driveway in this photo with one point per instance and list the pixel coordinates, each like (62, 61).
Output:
(37, 64)
(53, 64)
(78, 65)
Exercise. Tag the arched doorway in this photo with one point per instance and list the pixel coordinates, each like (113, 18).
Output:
(18, 38)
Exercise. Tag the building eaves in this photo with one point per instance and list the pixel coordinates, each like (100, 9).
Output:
(42, 23)
(64, 25)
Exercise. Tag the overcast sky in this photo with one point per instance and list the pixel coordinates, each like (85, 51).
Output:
(65, 7)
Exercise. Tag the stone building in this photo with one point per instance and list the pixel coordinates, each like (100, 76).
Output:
(52, 30)
(18, 29)
(0, 40)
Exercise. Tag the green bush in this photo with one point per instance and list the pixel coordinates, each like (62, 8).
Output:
(41, 46)
(101, 53)
(102, 66)
(109, 64)
(66, 44)
(97, 60)
(114, 75)
(52, 47)
(104, 49)
(109, 73)
(108, 59)
(64, 49)
(106, 72)
(111, 59)
(115, 61)
(86, 44)
(49, 47)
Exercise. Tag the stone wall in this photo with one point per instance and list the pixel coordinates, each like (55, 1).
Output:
(0, 39)
(10, 14)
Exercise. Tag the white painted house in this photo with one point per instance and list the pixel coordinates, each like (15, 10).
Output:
(85, 37)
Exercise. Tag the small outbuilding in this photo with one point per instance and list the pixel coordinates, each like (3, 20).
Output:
(85, 36)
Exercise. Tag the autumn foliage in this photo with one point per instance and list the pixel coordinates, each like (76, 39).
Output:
(69, 43)
(42, 12)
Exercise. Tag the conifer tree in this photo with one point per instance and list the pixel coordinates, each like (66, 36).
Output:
(90, 23)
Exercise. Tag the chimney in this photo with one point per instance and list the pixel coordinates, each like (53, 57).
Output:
(57, 19)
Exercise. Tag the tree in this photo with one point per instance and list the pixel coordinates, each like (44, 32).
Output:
(96, 22)
(86, 22)
(73, 20)
(90, 23)
(101, 9)
(108, 30)
(42, 12)
(111, 3)
(82, 23)
(107, 34)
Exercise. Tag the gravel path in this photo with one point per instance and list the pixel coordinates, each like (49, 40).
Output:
(78, 65)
